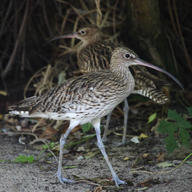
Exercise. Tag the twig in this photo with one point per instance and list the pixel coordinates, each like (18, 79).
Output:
(31, 79)
(164, 171)
(182, 38)
(46, 20)
(171, 16)
(17, 41)
(4, 20)
(99, 14)
(36, 125)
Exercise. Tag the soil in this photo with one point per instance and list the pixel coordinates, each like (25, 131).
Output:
(39, 176)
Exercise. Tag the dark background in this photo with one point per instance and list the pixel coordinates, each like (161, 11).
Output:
(159, 31)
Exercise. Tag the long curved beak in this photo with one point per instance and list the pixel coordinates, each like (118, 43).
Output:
(139, 61)
(72, 35)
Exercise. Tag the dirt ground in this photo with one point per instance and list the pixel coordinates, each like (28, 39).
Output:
(39, 176)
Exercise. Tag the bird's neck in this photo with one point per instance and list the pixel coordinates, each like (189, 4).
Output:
(123, 73)
(86, 44)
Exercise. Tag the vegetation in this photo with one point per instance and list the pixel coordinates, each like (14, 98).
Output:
(178, 129)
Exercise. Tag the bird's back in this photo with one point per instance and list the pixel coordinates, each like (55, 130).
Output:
(84, 97)
(97, 56)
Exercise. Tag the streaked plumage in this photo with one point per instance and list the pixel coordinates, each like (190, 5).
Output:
(86, 98)
(82, 97)
(94, 54)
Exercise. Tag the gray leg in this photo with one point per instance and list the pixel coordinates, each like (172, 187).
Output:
(107, 127)
(62, 144)
(96, 124)
(126, 111)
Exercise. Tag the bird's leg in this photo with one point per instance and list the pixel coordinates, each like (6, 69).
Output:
(126, 112)
(96, 124)
(107, 127)
(62, 144)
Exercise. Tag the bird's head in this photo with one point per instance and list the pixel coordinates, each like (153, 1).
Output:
(87, 34)
(124, 57)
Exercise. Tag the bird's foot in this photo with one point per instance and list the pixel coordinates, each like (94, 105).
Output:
(62, 179)
(118, 181)
(104, 140)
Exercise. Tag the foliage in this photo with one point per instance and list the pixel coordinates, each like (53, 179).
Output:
(50, 146)
(86, 127)
(24, 159)
(176, 126)
(152, 117)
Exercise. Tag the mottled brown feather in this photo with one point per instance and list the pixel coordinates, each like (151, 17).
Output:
(95, 54)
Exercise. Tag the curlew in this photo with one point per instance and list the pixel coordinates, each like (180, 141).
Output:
(87, 98)
(94, 54)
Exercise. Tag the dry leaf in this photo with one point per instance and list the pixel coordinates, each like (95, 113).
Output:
(48, 133)
(98, 189)
(160, 157)
(145, 155)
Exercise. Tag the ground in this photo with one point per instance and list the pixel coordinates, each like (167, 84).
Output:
(39, 176)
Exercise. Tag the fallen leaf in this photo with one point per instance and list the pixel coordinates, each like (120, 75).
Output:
(165, 164)
(142, 136)
(48, 133)
(152, 117)
(77, 134)
(90, 154)
(160, 157)
(98, 189)
(81, 148)
(189, 162)
(145, 184)
(3, 93)
(145, 155)
(135, 140)
(80, 157)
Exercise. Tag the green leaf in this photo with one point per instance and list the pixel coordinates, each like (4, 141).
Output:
(180, 125)
(86, 127)
(189, 162)
(190, 111)
(141, 189)
(173, 115)
(69, 167)
(24, 159)
(170, 142)
(184, 137)
(30, 159)
(152, 117)
(183, 124)
(167, 127)
(45, 146)
(52, 145)
(21, 159)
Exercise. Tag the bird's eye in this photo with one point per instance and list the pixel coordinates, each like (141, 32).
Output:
(127, 56)
(82, 32)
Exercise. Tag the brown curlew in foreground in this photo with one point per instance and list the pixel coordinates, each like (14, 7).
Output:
(94, 54)
(86, 98)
